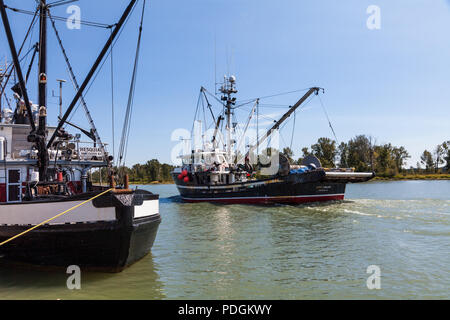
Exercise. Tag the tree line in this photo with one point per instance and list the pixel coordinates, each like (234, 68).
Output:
(360, 152)
(363, 154)
(151, 171)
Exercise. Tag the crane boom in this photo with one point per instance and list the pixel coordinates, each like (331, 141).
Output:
(214, 138)
(284, 117)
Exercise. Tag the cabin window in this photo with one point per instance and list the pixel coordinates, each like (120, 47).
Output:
(14, 185)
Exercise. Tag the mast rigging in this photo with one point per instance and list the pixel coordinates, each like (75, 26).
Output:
(126, 124)
(314, 90)
(15, 57)
(93, 69)
(94, 135)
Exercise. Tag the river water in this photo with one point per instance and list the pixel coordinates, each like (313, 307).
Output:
(322, 251)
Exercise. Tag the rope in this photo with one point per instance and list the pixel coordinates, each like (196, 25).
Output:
(332, 130)
(209, 105)
(83, 22)
(77, 87)
(215, 98)
(112, 103)
(126, 124)
(103, 63)
(53, 218)
(293, 130)
(196, 111)
(33, 21)
(328, 119)
(274, 95)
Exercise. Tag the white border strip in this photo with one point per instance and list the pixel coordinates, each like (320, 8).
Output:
(148, 208)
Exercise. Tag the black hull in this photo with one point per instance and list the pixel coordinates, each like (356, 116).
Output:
(291, 189)
(108, 246)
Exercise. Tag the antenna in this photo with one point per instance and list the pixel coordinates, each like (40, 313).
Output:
(228, 62)
(215, 65)
(61, 81)
(232, 66)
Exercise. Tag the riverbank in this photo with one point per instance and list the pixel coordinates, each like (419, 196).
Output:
(398, 177)
(138, 183)
(151, 182)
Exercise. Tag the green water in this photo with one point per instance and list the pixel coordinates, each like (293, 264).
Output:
(206, 251)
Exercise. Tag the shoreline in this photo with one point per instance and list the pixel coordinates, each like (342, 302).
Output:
(428, 177)
(431, 176)
(150, 183)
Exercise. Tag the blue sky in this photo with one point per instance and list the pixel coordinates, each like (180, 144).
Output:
(390, 83)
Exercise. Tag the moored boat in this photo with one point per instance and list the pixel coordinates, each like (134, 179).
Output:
(107, 234)
(51, 212)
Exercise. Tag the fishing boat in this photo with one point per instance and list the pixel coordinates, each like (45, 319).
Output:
(51, 213)
(212, 174)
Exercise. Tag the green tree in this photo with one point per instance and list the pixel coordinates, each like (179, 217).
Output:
(400, 155)
(360, 153)
(446, 147)
(439, 155)
(385, 161)
(325, 151)
(427, 160)
(305, 153)
(137, 172)
(343, 155)
(152, 170)
(166, 171)
(289, 154)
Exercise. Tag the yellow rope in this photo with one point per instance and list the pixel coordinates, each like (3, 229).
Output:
(48, 220)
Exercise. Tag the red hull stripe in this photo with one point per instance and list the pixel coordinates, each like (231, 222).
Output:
(280, 199)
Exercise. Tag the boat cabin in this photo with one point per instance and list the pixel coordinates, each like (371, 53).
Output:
(69, 163)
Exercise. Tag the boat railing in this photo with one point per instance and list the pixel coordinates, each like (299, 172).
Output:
(76, 150)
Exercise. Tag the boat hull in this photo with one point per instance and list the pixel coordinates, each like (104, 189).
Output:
(268, 200)
(109, 245)
(291, 189)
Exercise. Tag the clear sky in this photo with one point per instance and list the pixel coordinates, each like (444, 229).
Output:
(390, 83)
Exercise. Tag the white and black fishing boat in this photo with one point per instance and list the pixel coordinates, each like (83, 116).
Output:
(211, 174)
(45, 171)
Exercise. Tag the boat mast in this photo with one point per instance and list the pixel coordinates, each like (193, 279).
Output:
(15, 58)
(228, 88)
(2, 76)
(42, 89)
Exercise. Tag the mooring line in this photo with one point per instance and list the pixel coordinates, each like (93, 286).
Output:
(48, 220)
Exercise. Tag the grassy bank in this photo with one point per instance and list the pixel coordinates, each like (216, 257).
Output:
(398, 177)
(151, 182)
(429, 176)
(138, 182)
